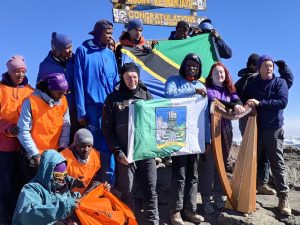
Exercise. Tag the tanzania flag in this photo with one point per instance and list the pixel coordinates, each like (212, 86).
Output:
(166, 58)
(164, 127)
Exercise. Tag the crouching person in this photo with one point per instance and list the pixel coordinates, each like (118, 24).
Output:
(115, 131)
(47, 198)
(83, 160)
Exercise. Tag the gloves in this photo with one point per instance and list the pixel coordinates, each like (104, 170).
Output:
(280, 63)
(78, 183)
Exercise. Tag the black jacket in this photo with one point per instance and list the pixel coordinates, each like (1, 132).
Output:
(115, 116)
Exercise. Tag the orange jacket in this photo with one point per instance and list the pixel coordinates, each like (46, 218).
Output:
(77, 169)
(11, 98)
(47, 122)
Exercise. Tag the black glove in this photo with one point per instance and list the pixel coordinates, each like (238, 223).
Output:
(78, 183)
(280, 63)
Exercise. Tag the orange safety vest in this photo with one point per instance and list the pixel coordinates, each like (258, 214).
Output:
(11, 99)
(47, 122)
(77, 169)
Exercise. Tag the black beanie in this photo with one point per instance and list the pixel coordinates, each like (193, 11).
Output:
(130, 67)
(253, 59)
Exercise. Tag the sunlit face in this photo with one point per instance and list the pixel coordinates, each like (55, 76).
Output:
(266, 70)
(218, 75)
(135, 34)
(106, 36)
(64, 54)
(191, 69)
(181, 32)
(57, 95)
(131, 79)
(83, 150)
(17, 75)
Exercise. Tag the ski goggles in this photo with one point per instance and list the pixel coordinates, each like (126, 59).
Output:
(60, 175)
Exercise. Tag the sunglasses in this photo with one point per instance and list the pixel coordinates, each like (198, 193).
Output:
(60, 175)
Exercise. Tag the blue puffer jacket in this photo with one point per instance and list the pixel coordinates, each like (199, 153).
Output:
(38, 203)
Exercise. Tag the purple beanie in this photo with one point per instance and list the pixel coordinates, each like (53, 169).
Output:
(62, 167)
(60, 41)
(101, 25)
(135, 23)
(262, 59)
(15, 62)
(57, 82)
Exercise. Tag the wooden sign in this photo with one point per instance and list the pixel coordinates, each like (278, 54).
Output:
(153, 18)
(182, 4)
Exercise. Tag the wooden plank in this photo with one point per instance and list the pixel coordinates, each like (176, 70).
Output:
(181, 4)
(154, 18)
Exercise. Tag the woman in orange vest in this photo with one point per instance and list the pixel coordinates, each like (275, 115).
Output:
(14, 88)
(44, 122)
(83, 161)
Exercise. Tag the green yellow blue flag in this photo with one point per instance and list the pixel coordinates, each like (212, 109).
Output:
(165, 60)
(164, 127)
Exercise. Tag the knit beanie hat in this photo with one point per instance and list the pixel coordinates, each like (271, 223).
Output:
(183, 23)
(83, 135)
(253, 59)
(100, 26)
(262, 59)
(56, 82)
(135, 23)
(15, 62)
(60, 41)
(62, 167)
(130, 67)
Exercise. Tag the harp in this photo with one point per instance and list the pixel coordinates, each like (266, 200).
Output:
(241, 191)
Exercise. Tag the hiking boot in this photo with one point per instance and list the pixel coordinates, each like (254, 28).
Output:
(175, 218)
(283, 205)
(265, 190)
(207, 205)
(220, 201)
(192, 216)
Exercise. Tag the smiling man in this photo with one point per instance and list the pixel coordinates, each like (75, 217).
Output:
(269, 95)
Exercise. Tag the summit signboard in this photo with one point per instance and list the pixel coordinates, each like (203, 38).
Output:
(154, 18)
(182, 4)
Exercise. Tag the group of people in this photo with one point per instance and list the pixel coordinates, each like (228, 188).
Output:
(70, 133)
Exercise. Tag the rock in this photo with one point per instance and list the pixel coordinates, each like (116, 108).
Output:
(267, 212)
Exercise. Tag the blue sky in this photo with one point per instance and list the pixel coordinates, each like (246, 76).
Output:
(265, 27)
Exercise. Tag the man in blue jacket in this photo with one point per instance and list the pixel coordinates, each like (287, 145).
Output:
(95, 76)
(61, 60)
(269, 94)
(47, 198)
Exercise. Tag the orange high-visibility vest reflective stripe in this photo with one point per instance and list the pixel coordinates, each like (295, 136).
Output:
(11, 98)
(47, 122)
(77, 169)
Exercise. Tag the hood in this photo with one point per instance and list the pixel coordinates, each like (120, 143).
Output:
(246, 73)
(7, 81)
(89, 44)
(191, 56)
(49, 160)
(172, 36)
(125, 40)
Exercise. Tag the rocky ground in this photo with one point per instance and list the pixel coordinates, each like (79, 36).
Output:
(266, 213)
